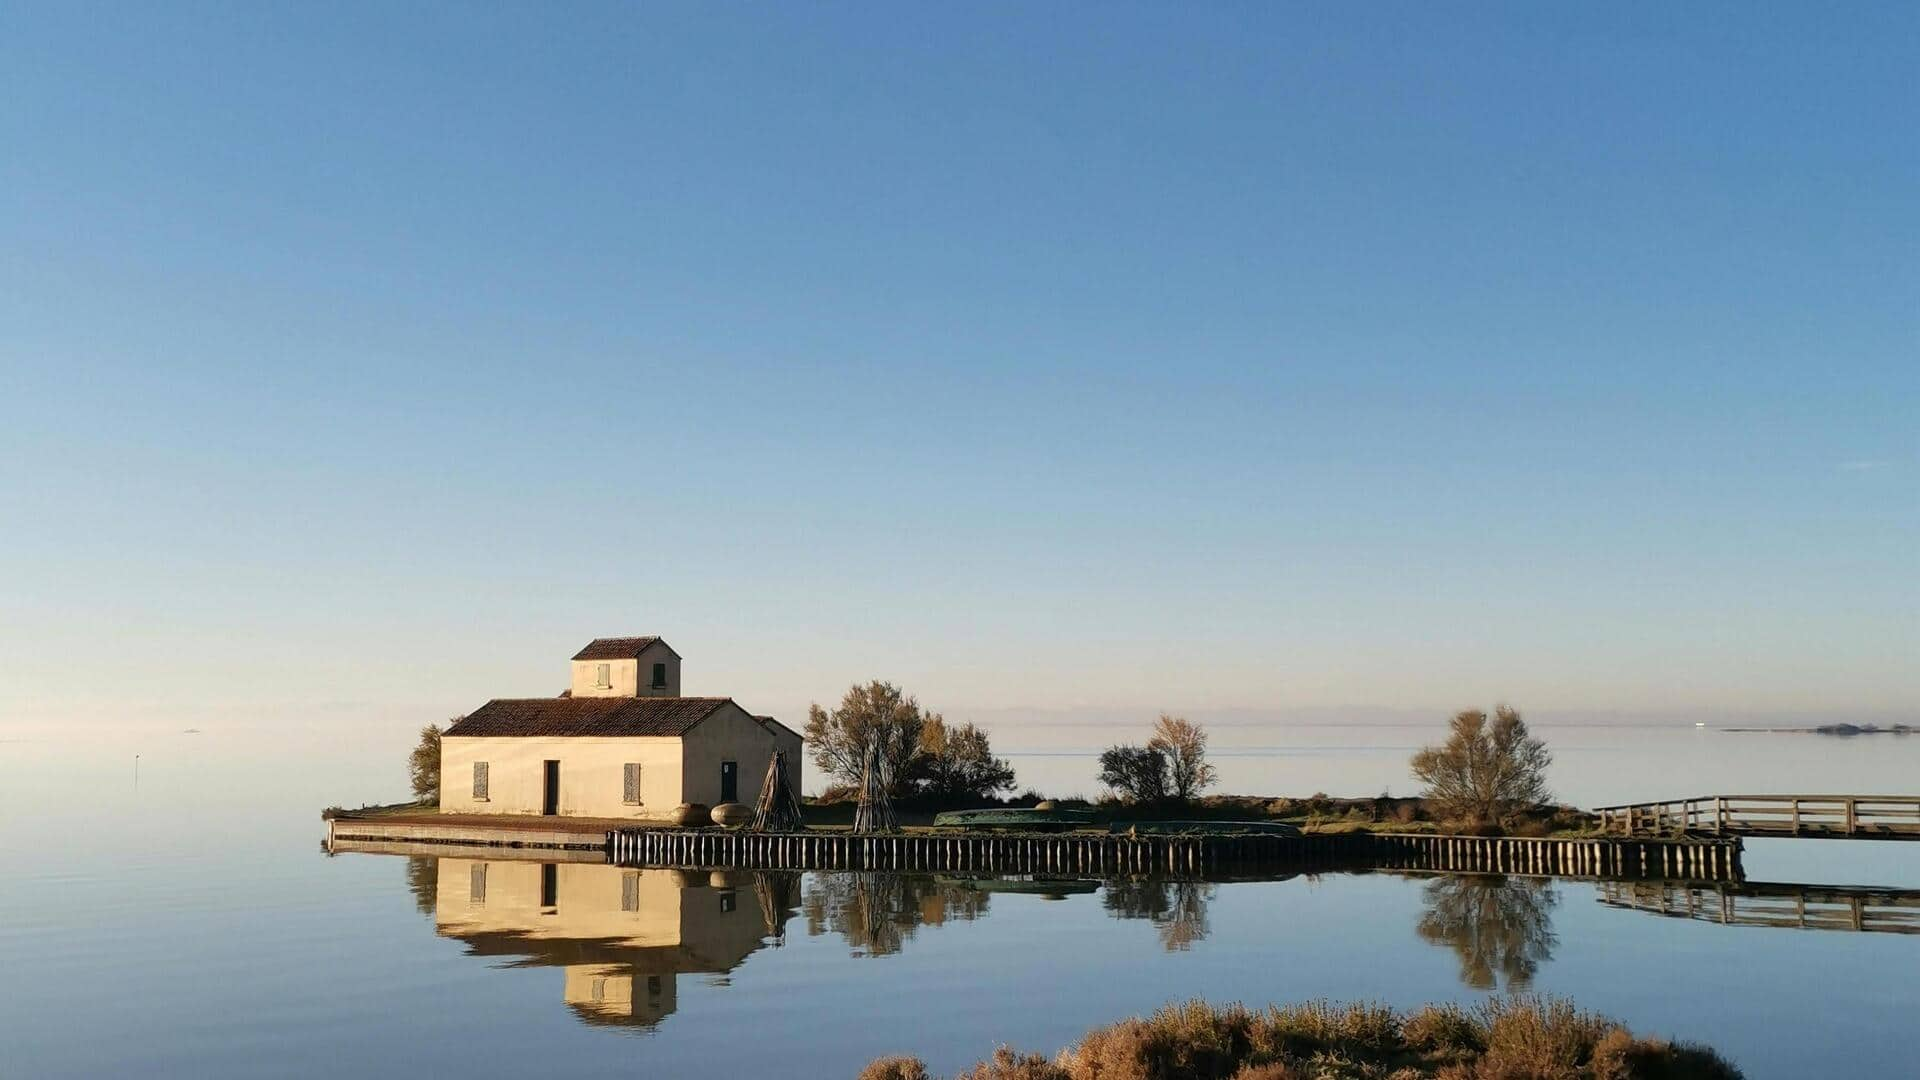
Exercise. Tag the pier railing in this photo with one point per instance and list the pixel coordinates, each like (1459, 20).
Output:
(1859, 817)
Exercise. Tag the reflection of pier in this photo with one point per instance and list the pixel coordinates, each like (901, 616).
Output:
(1762, 903)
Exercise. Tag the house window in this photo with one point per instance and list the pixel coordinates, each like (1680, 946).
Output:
(630, 891)
(480, 781)
(549, 885)
(728, 900)
(659, 676)
(603, 676)
(632, 786)
(600, 988)
(654, 986)
(477, 884)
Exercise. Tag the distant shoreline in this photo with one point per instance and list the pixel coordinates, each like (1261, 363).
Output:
(1841, 730)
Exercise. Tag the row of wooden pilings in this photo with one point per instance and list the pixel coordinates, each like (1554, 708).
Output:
(1609, 857)
(1176, 855)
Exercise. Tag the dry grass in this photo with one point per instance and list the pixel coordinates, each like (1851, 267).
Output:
(1523, 1038)
(894, 1068)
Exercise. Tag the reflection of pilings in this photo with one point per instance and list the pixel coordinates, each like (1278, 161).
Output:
(1778, 904)
(1176, 855)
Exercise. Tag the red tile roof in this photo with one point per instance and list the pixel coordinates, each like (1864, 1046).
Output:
(618, 648)
(614, 716)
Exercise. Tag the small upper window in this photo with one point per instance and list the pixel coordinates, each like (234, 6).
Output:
(659, 676)
(631, 789)
(603, 676)
(480, 780)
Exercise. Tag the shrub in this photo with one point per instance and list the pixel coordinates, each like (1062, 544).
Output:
(1135, 773)
(895, 1068)
(1519, 1038)
(1544, 1038)
(956, 762)
(1443, 1029)
(1008, 1065)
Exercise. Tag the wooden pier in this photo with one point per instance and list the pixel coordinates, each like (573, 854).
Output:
(1174, 855)
(1830, 817)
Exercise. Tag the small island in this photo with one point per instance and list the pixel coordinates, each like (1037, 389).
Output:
(1841, 730)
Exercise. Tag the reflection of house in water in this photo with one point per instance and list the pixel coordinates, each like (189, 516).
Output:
(622, 936)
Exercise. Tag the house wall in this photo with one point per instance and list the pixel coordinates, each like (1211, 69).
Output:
(592, 775)
(630, 678)
(732, 734)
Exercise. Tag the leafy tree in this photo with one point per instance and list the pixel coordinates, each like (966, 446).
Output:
(1485, 772)
(1184, 744)
(955, 761)
(877, 710)
(423, 765)
(1135, 773)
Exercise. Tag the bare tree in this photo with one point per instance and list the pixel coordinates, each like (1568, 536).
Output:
(1485, 772)
(876, 712)
(423, 765)
(1184, 743)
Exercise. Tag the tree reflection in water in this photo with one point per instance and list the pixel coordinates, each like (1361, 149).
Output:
(1178, 908)
(423, 880)
(878, 913)
(1501, 927)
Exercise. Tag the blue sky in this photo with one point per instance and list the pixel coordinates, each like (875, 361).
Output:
(360, 362)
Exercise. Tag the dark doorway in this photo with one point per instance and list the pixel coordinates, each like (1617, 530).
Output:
(550, 789)
(729, 781)
(549, 885)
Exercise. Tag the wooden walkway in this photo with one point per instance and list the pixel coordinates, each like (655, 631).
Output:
(1103, 854)
(1759, 903)
(1834, 817)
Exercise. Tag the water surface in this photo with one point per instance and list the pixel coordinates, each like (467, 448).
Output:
(192, 926)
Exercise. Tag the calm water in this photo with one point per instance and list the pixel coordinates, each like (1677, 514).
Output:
(192, 926)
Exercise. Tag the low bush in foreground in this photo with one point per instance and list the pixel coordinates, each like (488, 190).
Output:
(1522, 1038)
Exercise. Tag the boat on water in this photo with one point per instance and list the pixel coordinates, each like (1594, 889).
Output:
(1058, 819)
(1051, 819)
(1204, 828)
(1045, 887)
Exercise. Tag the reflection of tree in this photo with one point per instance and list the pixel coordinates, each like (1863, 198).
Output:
(877, 913)
(423, 880)
(1501, 927)
(1178, 908)
(775, 891)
